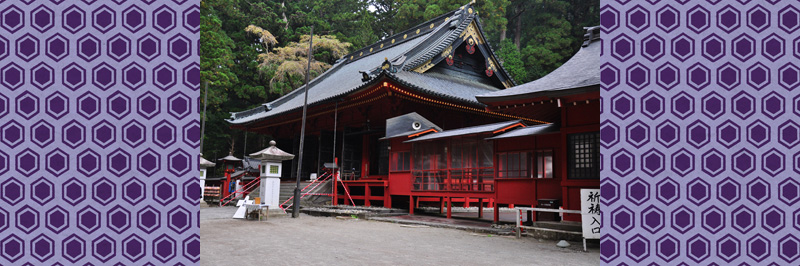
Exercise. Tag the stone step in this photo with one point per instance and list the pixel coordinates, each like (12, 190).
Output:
(287, 191)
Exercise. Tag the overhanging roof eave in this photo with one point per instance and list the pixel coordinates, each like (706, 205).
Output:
(531, 95)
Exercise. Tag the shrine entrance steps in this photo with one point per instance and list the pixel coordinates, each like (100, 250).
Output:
(287, 191)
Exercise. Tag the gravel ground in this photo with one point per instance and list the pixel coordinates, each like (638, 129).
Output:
(312, 240)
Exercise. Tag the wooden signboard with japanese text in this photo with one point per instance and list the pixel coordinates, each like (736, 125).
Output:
(590, 213)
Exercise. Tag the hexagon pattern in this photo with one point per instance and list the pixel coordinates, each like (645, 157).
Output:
(700, 132)
(86, 87)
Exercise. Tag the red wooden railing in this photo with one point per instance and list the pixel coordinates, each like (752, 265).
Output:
(246, 189)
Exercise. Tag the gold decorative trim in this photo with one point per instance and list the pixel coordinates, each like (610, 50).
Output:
(424, 67)
(392, 41)
(447, 51)
(417, 31)
(472, 31)
(405, 35)
(431, 25)
(381, 45)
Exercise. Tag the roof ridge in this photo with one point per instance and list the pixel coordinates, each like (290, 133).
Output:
(341, 62)
(324, 74)
(397, 35)
(446, 39)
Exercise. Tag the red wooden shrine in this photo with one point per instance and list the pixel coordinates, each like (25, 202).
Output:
(429, 116)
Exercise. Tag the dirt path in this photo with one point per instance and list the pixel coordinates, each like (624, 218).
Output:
(328, 241)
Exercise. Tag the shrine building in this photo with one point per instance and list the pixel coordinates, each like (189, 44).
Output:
(429, 115)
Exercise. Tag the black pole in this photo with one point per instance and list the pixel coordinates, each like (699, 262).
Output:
(203, 125)
(244, 151)
(296, 209)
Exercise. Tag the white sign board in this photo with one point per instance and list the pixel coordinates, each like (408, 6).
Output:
(590, 213)
(241, 211)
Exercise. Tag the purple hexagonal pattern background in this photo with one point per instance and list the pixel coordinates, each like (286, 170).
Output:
(718, 178)
(70, 188)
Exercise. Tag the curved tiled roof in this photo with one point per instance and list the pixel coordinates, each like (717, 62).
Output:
(405, 51)
(580, 71)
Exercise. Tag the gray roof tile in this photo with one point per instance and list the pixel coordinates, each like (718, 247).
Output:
(344, 77)
(582, 70)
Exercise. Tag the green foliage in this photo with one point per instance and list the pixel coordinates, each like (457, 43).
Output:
(493, 17)
(549, 41)
(512, 60)
(288, 65)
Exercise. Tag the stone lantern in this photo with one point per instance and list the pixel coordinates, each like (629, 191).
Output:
(271, 158)
(204, 165)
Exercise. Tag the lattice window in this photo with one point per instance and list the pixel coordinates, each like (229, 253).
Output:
(544, 164)
(514, 165)
(583, 158)
(401, 161)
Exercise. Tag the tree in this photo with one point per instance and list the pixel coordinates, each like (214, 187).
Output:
(287, 65)
(385, 11)
(512, 61)
(216, 56)
(493, 18)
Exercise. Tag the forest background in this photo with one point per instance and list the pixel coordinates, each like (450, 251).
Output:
(249, 48)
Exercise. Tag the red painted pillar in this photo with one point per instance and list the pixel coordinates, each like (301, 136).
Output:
(387, 199)
(336, 182)
(411, 205)
(226, 186)
(365, 156)
(367, 195)
(466, 202)
(441, 204)
(449, 208)
(496, 213)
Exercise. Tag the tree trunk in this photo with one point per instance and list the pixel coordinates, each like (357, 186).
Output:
(518, 30)
(283, 13)
(503, 35)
